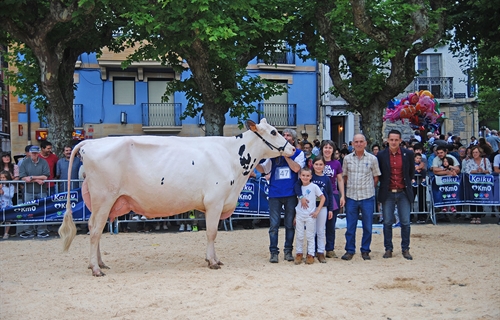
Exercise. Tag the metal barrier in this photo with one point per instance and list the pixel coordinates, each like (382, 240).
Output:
(25, 193)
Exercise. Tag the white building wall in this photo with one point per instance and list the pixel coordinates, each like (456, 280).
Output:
(450, 68)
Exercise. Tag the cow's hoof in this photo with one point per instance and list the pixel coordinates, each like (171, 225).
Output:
(214, 266)
(103, 266)
(220, 263)
(98, 273)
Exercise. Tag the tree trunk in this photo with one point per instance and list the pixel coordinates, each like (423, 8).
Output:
(214, 113)
(214, 120)
(371, 123)
(57, 85)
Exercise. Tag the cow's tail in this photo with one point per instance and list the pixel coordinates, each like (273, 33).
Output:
(67, 230)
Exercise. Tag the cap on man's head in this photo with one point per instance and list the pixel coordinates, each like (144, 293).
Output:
(494, 131)
(35, 149)
(429, 134)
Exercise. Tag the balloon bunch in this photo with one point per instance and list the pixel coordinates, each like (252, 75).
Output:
(420, 108)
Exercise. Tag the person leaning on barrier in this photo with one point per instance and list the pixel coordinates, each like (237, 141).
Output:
(397, 169)
(34, 171)
(496, 164)
(477, 165)
(47, 154)
(13, 169)
(62, 170)
(437, 163)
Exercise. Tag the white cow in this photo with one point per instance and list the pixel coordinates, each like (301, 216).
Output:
(163, 176)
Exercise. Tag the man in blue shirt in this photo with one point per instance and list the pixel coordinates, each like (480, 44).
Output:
(283, 173)
(62, 170)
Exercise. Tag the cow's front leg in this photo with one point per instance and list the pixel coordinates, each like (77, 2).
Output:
(212, 222)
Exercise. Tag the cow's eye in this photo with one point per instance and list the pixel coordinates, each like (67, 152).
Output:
(273, 132)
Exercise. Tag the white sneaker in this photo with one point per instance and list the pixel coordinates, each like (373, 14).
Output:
(188, 227)
(135, 218)
(165, 227)
(181, 228)
(157, 228)
(144, 218)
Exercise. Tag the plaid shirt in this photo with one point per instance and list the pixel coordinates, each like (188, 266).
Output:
(360, 173)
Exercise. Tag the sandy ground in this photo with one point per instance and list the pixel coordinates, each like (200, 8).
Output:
(454, 275)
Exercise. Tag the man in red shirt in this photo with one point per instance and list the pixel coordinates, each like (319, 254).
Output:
(47, 155)
(397, 167)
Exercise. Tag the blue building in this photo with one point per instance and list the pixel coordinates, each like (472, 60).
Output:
(111, 101)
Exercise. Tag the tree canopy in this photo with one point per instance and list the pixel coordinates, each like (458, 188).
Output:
(51, 34)
(370, 48)
(475, 39)
(217, 39)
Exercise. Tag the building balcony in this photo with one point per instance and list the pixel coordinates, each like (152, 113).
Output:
(161, 117)
(280, 115)
(279, 61)
(440, 87)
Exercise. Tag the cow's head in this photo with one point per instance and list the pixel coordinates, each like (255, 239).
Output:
(277, 144)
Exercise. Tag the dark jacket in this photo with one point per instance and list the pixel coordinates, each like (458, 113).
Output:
(385, 169)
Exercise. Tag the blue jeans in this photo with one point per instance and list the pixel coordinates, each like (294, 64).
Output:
(404, 207)
(330, 227)
(353, 207)
(275, 205)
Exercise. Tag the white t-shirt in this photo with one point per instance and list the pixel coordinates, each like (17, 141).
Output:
(310, 192)
(437, 162)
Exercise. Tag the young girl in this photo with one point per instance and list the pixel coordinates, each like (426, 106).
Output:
(326, 212)
(6, 194)
(306, 215)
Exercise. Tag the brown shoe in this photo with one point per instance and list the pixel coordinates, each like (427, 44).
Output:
(331, 254)
(309, 259)
(407, 255)
(365, 255)
(298, 258)
(387, 254)
(347, 256)
(321, 257)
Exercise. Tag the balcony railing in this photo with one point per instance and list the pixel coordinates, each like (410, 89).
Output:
(279, 114)
(285, 57)
(440, 87)
(161, 114)
(77, 117)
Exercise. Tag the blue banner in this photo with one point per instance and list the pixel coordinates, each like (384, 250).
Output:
(466, 189)
(50, 209)
(253, 199)
(447, 190)
(481, 189)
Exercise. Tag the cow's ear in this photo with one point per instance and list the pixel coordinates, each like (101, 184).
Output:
(251, 125)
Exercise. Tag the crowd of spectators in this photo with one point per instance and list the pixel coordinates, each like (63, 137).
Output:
(434, 154)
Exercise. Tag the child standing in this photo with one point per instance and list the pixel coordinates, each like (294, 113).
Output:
(330, 205)
(6, 194)
(421, 169)
(306, 217)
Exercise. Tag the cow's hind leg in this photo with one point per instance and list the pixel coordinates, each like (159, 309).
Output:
(96, 224)
(99, 259)
(212, 221)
